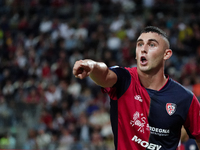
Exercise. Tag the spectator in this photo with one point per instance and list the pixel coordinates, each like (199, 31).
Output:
(43, 139)
(30, 143)
(97, 142)
(8, 90)
(66, 140)
(45, 25)
(53, 94)
(83, 129)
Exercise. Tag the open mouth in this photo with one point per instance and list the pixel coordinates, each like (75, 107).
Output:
(143, 60)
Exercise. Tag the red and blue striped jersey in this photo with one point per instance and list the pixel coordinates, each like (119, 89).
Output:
(147, 119)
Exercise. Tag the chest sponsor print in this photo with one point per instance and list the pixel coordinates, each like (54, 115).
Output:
(145, 144)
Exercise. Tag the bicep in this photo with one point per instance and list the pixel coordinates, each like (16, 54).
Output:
(111, 79)
(104, 78)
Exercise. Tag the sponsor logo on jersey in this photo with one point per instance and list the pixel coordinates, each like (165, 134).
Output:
(170, 108)
(159, 131)
(138, 97)
(139, 121)
(146, 144)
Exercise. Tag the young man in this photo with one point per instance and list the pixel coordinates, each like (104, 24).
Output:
(148, 108)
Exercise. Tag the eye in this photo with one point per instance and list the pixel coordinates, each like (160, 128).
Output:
(152, 44)
(139, 44)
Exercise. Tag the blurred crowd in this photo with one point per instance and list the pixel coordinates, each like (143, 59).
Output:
(42, 105)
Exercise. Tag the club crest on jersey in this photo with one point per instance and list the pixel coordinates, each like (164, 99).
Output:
(170, 108)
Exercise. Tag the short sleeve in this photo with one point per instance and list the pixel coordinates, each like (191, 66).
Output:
(122, 84)
(192, 123)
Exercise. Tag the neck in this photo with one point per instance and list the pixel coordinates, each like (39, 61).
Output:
(154, 81)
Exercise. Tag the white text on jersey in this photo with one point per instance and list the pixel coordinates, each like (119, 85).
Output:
(146, 144)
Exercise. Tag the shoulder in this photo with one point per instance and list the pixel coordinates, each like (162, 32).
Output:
(124, 71)
(133, 70)
(180, 89)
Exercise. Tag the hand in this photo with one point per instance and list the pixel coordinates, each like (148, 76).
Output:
(83, 68)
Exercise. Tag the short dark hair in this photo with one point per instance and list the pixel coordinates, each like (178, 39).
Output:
(156, 30)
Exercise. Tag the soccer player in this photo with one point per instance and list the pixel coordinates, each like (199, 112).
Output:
(148, 108)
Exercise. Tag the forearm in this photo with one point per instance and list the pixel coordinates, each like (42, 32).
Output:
(98, 72)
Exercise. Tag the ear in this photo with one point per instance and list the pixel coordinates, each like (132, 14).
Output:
(167, 54)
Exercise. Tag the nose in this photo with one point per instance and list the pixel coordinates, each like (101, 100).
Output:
(144, 48)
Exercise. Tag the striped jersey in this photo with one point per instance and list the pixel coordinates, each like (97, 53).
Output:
(143, 118)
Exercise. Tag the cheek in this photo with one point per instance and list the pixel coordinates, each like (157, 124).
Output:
(136, 53)
(157, 58)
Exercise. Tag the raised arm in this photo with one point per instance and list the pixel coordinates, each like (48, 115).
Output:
(98, 72)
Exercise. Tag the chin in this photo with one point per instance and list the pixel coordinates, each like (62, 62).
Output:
(144, 69)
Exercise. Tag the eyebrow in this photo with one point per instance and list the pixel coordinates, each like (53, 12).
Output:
(139, 40)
